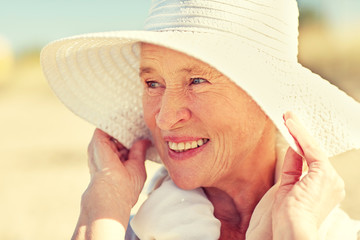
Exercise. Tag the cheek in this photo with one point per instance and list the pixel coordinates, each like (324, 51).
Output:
(219, 117)
(216, 111)
(149, 110)
(233, 120)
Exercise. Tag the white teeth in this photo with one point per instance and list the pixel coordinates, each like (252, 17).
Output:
(173, 146)
(181, 146)
(184, 146)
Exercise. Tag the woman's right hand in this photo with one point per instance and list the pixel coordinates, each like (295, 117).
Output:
(117, 178)
(110, 161)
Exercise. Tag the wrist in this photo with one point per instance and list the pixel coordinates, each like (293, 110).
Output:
(103, 213)
(104, 200)
(116, 188)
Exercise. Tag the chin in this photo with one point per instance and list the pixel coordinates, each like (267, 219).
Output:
(186, 185)
(187, 172)
(184, 179)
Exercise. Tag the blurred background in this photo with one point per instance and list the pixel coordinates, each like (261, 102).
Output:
(43, 169)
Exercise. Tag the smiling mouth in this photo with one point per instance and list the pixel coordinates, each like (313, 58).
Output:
(185, 146)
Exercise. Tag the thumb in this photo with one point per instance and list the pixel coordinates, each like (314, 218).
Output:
(137, 155)
(292, 168)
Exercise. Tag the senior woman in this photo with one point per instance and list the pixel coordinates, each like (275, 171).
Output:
(216, 87)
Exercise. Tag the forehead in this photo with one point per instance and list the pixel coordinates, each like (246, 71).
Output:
(151, 50)
(154, 56)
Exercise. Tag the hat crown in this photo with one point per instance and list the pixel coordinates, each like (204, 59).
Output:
(269, 25)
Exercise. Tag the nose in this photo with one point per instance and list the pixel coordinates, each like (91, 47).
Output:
(173, 112)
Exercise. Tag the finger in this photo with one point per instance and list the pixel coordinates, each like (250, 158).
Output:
(103, 146)
(137, 155)
(121, 151)
(104, 151)
(123, 154)
(102, 141)
(292, 168)
(114, 144)
(101, 135)
(93, 164)
(138, 150)
(310, 147)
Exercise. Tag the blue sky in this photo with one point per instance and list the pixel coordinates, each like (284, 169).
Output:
(33, 23)
(336, 12)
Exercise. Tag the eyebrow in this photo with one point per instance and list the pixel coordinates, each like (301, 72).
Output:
(206, 70)
(195, 68)
(145, 70)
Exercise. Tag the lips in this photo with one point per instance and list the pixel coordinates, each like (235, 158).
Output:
(186, 145)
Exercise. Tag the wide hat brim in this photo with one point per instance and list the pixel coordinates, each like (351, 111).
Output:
(96, 77)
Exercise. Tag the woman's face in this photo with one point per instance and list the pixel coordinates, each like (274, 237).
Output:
(204, 126)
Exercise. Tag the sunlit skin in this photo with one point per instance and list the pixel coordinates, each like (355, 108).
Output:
(185, 99)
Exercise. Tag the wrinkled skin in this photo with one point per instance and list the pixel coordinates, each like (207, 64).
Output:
(202, 103)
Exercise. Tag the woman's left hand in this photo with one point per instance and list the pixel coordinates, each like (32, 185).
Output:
(301, 204)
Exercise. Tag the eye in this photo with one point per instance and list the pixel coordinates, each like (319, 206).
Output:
(152, 84)
(153, 88)
(198, 80)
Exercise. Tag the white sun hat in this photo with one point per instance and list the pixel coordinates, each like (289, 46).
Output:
(253, 42)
